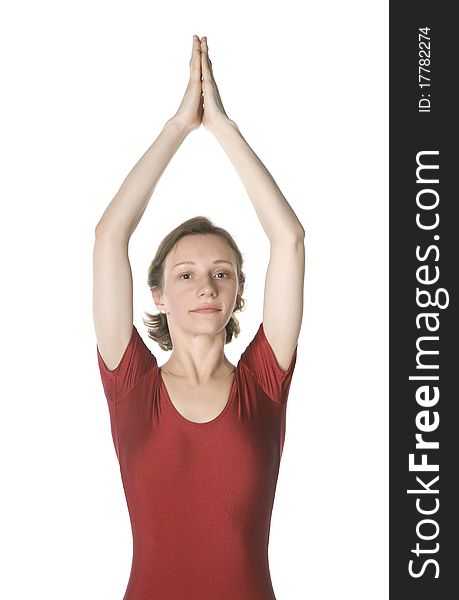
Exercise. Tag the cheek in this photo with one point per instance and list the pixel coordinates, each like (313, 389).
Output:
(181, 298)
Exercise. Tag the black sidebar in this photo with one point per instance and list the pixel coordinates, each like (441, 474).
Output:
(423, 295)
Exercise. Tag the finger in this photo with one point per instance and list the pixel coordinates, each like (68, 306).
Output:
(196, 49)
(195, 61)
(205, 60)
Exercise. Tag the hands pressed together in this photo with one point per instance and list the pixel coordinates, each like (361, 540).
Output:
(201, 102)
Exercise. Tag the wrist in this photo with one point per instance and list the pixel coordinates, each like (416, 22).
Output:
(224, 123)
(179, 125)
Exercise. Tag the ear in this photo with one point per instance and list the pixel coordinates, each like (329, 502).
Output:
(240, 290)
(158, 300)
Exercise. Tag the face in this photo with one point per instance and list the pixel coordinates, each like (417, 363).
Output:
(206, 281)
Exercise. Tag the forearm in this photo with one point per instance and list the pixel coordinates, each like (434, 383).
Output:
(124, 212)
(277, 217)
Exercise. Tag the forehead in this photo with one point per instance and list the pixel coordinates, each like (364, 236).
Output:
(200, 248)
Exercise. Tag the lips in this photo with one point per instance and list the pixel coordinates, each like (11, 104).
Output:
(206, 309)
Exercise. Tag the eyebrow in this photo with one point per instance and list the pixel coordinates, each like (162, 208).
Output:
(190, 262)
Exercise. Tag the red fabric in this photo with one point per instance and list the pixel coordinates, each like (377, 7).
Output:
(199, 495)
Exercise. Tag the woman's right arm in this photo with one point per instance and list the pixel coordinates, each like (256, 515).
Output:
(112, 283)
(112, 276)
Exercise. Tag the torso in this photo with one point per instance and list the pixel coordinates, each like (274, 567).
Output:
(199, 403)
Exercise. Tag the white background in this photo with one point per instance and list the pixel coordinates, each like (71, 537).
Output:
(87, 87)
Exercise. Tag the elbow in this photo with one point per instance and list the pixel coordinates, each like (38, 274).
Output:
(293, 237)
(105, 232)
(299, 233)
(99, 230)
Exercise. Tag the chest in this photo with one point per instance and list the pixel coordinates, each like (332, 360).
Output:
(198, 403)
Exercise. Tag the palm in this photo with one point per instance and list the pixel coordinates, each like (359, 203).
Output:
(191, 106)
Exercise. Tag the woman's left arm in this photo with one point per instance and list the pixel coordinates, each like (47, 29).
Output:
(283, 298)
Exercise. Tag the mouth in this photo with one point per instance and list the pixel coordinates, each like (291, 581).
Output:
(206, 310)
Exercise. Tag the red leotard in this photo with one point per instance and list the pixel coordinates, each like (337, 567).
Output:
(199, 495)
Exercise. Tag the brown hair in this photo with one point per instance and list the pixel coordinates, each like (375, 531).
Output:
(158, 329)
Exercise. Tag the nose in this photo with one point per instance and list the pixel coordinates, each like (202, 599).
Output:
(207, 288)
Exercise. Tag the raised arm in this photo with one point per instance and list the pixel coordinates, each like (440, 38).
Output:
(283, 297)
(112, 277)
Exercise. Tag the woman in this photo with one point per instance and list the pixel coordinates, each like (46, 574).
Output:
(198, 439)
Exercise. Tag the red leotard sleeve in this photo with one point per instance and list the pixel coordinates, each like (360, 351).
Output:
(260, 360)
(135, 362)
